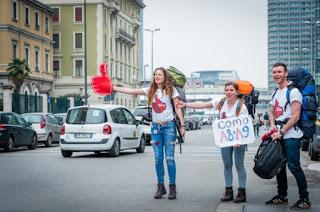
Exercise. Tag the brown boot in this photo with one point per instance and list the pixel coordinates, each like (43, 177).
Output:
(160, 191)
(228, 195)
(241, 197)
(172, 192)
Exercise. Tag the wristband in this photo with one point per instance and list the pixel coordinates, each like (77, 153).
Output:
(183, 126)
(281, 133)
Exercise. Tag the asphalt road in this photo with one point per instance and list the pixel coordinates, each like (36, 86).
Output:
(42, 180)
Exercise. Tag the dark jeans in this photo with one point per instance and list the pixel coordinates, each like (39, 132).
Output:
(292, 150)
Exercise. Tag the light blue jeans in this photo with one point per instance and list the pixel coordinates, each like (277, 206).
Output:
(239, 153)
(163, 138)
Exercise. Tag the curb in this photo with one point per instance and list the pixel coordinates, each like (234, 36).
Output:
(313, 171)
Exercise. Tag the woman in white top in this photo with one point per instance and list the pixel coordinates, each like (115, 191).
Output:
(228, 107)
(161, 94)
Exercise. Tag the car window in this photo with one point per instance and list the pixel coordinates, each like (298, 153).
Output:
(129, 117)
(20, 120)
(12, 119)
(33, 118)
(141, 111)
(118, 116)
(4, 118)
(52, 119)
(86, 115)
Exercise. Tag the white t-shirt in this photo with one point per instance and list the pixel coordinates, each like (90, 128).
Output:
(161, 105)
(229, 112)
(279, 100)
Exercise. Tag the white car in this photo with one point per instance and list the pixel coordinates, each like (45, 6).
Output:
(97, 128)
(138, 113)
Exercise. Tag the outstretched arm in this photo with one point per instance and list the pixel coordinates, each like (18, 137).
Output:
(195, 105)
(134, 91)
(180, 116)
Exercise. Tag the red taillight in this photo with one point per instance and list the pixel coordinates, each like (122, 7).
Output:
(43, 123)
(107, 129)
(2, 127)
(63, 130)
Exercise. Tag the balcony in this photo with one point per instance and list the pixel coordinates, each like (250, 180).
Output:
(123, 36)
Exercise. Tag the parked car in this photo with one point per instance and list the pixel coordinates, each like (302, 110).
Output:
(97, 128)
(139, 112)
(16, 132)
(61, 117)
(46, 125)
(314, 146)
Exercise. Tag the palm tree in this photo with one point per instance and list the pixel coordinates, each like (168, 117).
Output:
(19, 70)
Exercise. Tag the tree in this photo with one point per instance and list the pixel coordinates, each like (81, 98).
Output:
(19, 70)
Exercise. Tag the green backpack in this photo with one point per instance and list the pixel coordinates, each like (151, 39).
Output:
(178, 77)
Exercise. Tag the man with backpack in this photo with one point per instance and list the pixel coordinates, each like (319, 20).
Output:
(284, 115)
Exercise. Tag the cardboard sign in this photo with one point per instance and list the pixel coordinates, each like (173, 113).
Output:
(232, 131)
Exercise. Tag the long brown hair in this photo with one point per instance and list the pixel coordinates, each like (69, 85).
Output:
(167, 85)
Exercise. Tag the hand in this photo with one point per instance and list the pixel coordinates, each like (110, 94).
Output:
(276, 135)
(180, 104)
(237, 145)
(182, 130)
(102, 84)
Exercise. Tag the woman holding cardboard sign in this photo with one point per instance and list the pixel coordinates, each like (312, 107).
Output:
(230, 106)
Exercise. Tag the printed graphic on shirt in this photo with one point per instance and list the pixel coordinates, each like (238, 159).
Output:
(277, 109)
(157, 105)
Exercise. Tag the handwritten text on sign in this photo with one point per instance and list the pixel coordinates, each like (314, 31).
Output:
(231, 131)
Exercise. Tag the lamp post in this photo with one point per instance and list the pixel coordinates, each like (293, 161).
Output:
(152, 31)
(85, 54)
(144, 74)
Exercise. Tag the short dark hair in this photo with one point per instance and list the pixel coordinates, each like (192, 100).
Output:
(280, 64)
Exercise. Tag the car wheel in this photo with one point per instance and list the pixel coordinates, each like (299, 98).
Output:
(48, 142)
(9, 146)
(305, 145)
(34, 143)
(115, 149)
(142, 145)
(66, 154)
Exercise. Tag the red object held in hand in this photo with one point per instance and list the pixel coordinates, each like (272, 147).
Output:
(266, 135)
(102, 84)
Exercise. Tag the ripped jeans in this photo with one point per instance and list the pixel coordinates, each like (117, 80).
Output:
(163, 137)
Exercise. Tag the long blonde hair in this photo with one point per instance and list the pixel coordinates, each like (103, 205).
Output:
(167, 85)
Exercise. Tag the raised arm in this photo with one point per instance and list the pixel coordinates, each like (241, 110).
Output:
(134, 91)
(195, 105)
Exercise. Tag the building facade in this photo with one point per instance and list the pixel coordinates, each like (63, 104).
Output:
(291, 35)
(26, 33)
(113, 36)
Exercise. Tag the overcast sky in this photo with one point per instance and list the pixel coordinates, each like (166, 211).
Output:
(209, 34)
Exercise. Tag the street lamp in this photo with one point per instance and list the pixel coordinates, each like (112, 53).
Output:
(144, 74)
(152, 30)
(85, 54)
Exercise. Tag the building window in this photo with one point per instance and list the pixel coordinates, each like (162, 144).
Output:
(47, 61)
(56, 16)
(78, 68)
(36, 58)
(27, 53)
(47, 24)
(14, 49)
(15, 10)
(56, 40)
(78, 14)
(56, 68)
(27, 16)
(37, 20)
(78, 40)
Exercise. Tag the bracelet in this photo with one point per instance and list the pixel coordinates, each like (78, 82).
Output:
(183, 126)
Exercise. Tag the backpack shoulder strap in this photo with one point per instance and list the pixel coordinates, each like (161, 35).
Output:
(239, 107)
(221, 102)
(289, 88)
(274, 93)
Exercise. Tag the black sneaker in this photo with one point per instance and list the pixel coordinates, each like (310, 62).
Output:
(277, 200)
(301, 204)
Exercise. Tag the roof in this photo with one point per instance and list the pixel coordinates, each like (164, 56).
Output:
(102, 106)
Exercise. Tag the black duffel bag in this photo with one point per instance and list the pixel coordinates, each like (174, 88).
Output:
(270, 159)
